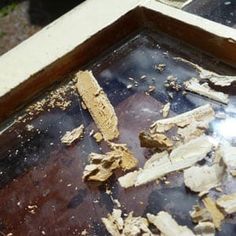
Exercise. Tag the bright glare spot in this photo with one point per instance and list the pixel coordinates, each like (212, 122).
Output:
(227, 128)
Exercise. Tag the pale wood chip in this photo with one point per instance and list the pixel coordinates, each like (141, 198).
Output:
(168, 226)
(227, 203)
(203, 178)
(165, 110)
(71, 136)
(205, 229)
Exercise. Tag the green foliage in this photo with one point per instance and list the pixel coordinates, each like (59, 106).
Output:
(7, 9)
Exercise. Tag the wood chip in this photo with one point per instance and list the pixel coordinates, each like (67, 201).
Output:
(131, 226)
(102, 165)
(203, 113)
(98, 137)
(71, 136)
(167, 225)
(98, 104)
(114, 222)
(205, 229)
(128, 161)
(203, 178)
(194, 85)
(216, 79)
(216, 214)
(185, 127)
(165, 110)
(200, 214)
(227, 203)
(163, 163)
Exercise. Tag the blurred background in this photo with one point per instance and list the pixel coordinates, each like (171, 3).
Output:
(19, 19)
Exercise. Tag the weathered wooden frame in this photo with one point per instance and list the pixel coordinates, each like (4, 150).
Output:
(89, 29)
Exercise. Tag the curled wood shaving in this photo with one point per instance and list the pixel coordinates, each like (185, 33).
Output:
(227, 203)
(194, 85)
(71, 136)
(163, 163)
(131, 226)
(216, 214)
(203, 178)
(205, 229)
(98, 104)
(216, 79)
(167, 225)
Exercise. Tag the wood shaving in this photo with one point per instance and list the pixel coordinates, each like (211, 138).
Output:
(203, 113)
(165, 110)
(163, 163)
(167, 225)
(203, 178)
(216, 214)
(205, 229)
(227, 203)
(71, 136)
(200, 214)
(194, 85)
(98, 137)
(216, 79)
(98, 104)
(102, 165)
(186, 126)
(131, 226)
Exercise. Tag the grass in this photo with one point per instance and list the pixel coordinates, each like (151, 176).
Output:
(7, 9)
